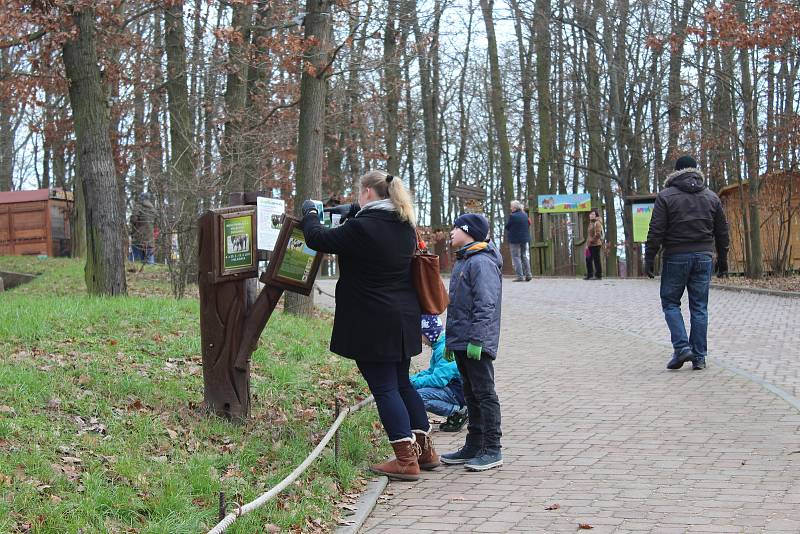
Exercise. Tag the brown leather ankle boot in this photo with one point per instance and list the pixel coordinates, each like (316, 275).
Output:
(428, 459)
(405, 465)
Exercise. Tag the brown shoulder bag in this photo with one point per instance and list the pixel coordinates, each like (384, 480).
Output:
(432, 295)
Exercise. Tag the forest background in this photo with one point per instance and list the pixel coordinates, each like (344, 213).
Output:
(193, 100)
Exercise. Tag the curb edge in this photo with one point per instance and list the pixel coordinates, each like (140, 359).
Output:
(366, 503)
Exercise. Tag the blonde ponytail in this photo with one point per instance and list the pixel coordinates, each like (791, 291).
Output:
(391, 187)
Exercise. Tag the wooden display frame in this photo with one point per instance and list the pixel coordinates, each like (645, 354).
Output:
(289, 237)
(223, 270)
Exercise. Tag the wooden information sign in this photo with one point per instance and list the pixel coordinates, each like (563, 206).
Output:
(230, 324)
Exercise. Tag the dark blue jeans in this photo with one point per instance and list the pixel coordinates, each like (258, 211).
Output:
(690, 271)
(483, 405)
(399, 405)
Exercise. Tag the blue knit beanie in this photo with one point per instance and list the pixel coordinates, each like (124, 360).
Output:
(432, 327)
(475, 225)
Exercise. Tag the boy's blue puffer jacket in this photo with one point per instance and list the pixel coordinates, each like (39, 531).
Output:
(476, 291)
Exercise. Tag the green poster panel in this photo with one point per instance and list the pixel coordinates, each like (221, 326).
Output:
(238, 241)
(642, 214)
(298, 260)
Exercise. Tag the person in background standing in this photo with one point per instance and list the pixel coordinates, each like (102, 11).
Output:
(594, 241)
(519, 238)
(143, 230)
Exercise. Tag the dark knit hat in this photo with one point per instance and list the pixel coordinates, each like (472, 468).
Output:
(685, 162)
(475, 225)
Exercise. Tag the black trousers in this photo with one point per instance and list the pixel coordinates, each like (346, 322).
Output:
(594, 259)
(399, 405)
(483, 429)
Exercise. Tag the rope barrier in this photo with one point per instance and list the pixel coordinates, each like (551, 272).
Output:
(228, 520)
(323, 292)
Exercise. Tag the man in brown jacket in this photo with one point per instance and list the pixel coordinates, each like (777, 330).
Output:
(594, 240)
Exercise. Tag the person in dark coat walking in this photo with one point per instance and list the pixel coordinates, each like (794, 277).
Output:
(518, 234)
(377, 320)
(689, 223)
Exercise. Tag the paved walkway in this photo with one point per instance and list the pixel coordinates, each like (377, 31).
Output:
(594, 422)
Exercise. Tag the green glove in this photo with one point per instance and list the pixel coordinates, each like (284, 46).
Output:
(449, 355)
(474, 351)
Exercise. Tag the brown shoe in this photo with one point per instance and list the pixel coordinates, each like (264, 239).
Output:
(428, 459)
(405, 465)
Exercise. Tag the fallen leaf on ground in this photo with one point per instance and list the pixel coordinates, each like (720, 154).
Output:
(7, 409)
(554, 506)
(53, 404)
(584, 526)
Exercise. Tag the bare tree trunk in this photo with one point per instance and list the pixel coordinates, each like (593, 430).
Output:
(391, 59)
(497, 100)
(430, 109)
(311, 129)
(675, 96)
(526, 65)
(751, 158)
(542, 29)
(233, 156)
(463, 114)
(182, 156)
(7, 131)
(105, 260)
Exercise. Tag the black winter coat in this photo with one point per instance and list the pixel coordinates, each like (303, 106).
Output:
(377, 312)
(687, 217)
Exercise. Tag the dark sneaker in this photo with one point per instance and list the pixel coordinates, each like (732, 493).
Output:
(678, 360)
(456, 421)
(518, 280)
(699, 363)
(587, 277)
(487, 460)
(461, 456)
(528, 278)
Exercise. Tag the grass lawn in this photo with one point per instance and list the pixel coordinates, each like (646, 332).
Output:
(101, 428)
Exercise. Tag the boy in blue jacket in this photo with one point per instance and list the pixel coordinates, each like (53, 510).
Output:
(473, 334)
(440, 384)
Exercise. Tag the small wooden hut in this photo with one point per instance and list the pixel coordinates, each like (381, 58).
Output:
(35, 223)
(780, 221)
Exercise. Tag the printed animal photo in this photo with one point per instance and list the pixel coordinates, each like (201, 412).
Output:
(238, 243)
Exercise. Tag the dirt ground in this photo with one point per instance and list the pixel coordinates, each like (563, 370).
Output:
(781, 283)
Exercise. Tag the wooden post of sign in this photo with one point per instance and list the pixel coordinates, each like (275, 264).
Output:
(222, 314)
(230, 322)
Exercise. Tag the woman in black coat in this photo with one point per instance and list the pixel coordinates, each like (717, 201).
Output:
(377, 320)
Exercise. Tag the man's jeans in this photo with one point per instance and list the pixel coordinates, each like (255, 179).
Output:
(440, 401)
(519, 258)
(483, 405)
(690, 271)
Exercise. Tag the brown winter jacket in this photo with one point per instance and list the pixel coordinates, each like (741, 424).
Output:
(594, 235)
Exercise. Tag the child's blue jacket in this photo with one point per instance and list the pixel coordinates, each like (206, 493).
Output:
(476, 290)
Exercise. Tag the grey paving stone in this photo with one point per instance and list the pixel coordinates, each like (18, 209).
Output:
(593, 421)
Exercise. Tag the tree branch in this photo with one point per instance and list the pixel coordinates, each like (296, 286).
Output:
(24, 39)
